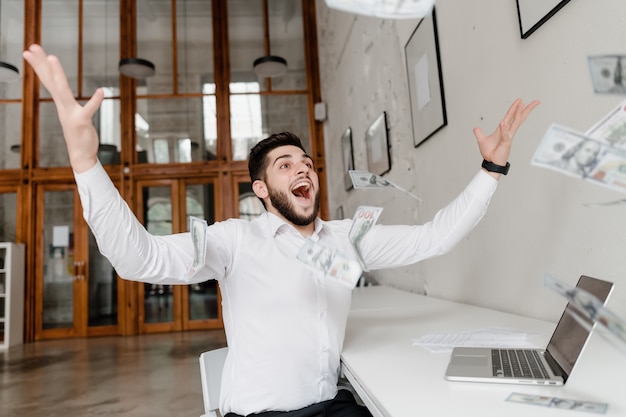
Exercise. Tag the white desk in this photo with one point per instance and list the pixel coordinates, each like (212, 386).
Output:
(396, 379)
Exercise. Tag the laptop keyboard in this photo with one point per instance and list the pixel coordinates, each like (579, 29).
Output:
(520, 363)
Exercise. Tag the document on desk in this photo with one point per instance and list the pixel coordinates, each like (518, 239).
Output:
(487, 337)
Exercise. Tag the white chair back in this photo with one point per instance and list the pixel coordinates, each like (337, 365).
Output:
(211, 365)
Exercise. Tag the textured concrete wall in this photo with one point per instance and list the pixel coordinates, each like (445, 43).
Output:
(538, 221)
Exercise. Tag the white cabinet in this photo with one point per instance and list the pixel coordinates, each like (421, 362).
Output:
(11, 294)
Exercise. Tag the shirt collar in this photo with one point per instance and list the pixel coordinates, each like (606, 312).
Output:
(275, 223)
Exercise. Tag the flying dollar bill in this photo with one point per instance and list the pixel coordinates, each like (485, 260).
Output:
(197, 228)
(330, 262)
(597, 156)
(365, 179)
(364, 218)
(578, 155)
(591, 308)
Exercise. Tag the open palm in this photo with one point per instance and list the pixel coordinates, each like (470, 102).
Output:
(80, 134)
(497, 146)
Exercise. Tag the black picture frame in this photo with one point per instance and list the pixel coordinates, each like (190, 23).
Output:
(425, 80)
(532, 14)
(377, 146)
(348, 157)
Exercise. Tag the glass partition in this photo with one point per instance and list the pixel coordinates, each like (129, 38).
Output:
(58, 254)
(10, 135)
(203, 297)
(8, 216)
(173, 130)
(284, 28)
(158, 299)
(254, 116)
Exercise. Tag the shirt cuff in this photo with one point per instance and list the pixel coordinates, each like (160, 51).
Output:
(482, 186)
(94, 185)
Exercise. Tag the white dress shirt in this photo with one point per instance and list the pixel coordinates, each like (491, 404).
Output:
(284, 322)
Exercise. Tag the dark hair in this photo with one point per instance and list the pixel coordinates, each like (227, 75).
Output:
(257, 160)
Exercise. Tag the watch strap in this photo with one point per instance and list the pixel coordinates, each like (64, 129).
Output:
(491, 167)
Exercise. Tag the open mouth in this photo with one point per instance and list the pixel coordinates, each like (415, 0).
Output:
(302, 190)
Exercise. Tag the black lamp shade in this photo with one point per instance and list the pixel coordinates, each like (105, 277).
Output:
(8, 72)
(270, 66)
(136, 67)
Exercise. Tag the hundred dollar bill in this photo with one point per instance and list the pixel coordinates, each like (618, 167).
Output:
(365, 179)
(611, 129)
(364, 218)
(555, 402)
(197, 228)
(591, 309)
(611, 132)
(578, 155)
(568, 151)
(331, 262)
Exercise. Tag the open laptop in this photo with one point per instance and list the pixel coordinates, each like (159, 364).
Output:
(554, 364)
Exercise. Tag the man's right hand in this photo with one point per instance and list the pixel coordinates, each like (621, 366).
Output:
(80, 134)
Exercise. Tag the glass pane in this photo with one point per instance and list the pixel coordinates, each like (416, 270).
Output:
(107, 122)
(245, 37)
(12, 36)
(209, 120)
(274, 113)
(287, 40)
(286, 37)
(158, 299)
(154, 43)
(59, 36)
(173, 130)
(10, 135)
(52, 150)
(194, 36)
(203, 300)
(101, 45)
(250, 206)
(58, 280)
(102, 299)
(8, 216)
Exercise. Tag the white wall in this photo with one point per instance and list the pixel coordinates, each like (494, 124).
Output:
(537, 221)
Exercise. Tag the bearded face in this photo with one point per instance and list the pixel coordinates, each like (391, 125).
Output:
(282, 203)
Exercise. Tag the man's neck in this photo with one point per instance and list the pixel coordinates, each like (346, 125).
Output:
(305, 230)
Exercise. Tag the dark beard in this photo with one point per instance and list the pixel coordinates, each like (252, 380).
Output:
(281, 202)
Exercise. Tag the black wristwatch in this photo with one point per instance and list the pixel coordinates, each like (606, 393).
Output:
(491, 167)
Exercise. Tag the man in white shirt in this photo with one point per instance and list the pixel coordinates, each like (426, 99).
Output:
(284, 322)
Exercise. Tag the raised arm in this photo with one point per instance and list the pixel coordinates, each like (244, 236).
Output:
(80, 134)
(497, 146)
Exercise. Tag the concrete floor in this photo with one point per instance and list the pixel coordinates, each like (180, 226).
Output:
(140, 376)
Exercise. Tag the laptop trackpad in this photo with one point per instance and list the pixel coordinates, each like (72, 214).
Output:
(470, 360)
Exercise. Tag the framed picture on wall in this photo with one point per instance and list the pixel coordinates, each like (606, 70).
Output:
(348, 157)
(534, 13)
(423, 67)
(377, 146)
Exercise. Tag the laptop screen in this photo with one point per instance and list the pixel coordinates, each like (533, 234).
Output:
(569, 337)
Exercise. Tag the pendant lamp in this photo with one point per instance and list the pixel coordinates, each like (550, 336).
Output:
(136, 68)
(269, 65)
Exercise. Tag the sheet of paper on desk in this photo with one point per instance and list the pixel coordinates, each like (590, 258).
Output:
(488, 337)
(555, 402)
